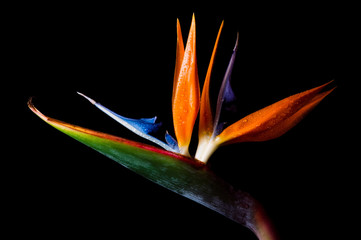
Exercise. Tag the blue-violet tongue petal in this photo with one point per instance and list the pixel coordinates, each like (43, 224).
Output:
(142, 127)
(171, 142)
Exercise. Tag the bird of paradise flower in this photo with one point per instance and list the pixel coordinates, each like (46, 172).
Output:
(173, 167)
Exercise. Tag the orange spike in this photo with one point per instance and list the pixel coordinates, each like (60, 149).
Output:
(179, 57)
(186, 95)
(205, 116)
(274, 120)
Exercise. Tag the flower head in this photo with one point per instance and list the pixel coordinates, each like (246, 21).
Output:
(265, 124)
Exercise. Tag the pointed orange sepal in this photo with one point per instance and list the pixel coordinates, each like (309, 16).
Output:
(186, 95)
(274, 120)
(179, 57)
(205, 117)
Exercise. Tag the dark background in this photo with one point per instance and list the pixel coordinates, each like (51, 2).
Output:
(123, 56)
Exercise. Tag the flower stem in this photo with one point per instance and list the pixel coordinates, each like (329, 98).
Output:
(262, 226)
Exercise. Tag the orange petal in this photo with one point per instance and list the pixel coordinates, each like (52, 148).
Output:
(274, 120)
(186, 95)
(179, 57)
(205, 117)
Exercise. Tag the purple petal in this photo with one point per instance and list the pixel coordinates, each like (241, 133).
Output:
(226, 93)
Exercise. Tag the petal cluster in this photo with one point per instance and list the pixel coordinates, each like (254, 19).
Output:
(265, 124)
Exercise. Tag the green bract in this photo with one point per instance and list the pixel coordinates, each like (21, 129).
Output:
(185, 176)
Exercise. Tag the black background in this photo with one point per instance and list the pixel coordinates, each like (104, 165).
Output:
(123, 56)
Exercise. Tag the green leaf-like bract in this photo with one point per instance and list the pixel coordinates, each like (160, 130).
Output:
(185, 176)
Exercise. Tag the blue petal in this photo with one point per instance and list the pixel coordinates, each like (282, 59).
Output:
(145, 125)
(226, 93)
(149, 120)
(142, 127)
(171, 142)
